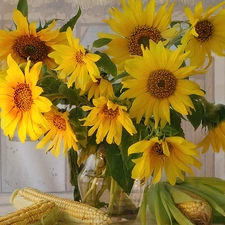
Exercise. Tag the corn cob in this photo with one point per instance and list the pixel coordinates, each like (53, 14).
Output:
(198, 212)
(39, 213)
(69, 210)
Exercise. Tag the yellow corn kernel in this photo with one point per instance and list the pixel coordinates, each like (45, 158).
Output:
(39, 213)
(69, 210)
(198, 212)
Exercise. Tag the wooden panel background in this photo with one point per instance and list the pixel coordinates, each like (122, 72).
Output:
(21, 165)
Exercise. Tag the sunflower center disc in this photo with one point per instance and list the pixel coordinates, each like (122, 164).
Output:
(110, 113)
(141, 36)
(59, 122)
(23, 97)
(161, 83)
(31, 47)
(204, 30)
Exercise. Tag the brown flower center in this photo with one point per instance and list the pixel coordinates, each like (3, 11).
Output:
(110, 113)
(59, 122)
(157, 148)
(79, 57)
(141, 36)
(204, 30)
(31, 47)
(161, 83)
(23, 97)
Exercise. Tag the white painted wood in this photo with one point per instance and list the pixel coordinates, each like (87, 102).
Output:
(23, 165)
(220, 98)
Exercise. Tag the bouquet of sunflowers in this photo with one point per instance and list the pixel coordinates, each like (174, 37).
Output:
(128, 94)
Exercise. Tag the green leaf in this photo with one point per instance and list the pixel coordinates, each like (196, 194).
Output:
(118, 170)
(126, 142)
(101, 42)
(174, 128)
(22, 6)
(74, 172)
(106, 63)
(161, 214)
(196, 117)
(70, 93)
(72, 22)
(81, 131)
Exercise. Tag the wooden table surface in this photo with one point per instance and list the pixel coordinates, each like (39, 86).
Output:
(6, 207)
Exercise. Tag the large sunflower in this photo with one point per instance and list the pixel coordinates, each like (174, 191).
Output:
(60, 133)
(21, 103)
(74, 62)
(214, 138)
(135, 26)
(207, 33)
(108, 119)
(174, 154)
(159, 82)
(27, 43)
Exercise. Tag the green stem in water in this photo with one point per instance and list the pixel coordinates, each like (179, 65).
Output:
(114, 188)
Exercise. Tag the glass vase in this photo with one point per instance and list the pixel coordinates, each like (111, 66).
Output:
(102, 191)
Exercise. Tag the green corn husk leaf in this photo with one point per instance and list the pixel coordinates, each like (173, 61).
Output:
(161, 214)
(143, 208)
(151, 195)
(215, 182)
(213, 204)
(211, 192)
(164, 195)
(176, 213)
(178, 195)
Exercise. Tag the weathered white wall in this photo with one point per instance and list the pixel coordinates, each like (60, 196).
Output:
(21, 165)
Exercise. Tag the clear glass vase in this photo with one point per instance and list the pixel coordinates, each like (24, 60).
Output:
(103, 192)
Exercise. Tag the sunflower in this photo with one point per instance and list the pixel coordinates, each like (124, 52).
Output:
(207, 33)
(21, 103)
(60, 133)
(214, 138)
(100, 88)
(108, 119)
(27, 43)
(159, 82)
(174, 155)
(135, 26)
(73, 61)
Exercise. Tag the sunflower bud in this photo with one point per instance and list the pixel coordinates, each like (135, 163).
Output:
(198, 212)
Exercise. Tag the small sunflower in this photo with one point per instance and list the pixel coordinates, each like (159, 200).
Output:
(100, 88)
(174, 154)
(108, 119)
(21, 103)
(27, 43)
(73, 61)
(135, 26)
(207, 33)
(158, 83)
(60, 133)
(214, 138)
